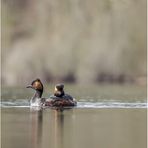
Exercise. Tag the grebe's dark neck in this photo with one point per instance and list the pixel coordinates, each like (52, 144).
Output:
(38, 94)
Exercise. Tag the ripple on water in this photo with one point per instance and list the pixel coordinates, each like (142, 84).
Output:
(111, 105)
(15, 103)
(21, 103)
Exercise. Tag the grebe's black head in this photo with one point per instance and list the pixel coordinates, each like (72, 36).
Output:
(59, 87)
(59, 90)
(36, 85)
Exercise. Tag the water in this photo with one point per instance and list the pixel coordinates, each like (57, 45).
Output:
(104, 104)
(106, 116)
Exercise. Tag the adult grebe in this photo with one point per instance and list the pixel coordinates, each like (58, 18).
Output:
(61, 99)
(37, 99)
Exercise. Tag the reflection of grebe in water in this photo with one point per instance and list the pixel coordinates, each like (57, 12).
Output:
(36, 128)
(58, 129)
(63, 129)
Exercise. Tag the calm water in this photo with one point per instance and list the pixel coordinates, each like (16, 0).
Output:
(106, 117)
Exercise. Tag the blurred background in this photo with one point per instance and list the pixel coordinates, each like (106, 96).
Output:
(74, 41)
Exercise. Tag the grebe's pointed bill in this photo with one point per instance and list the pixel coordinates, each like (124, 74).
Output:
(29, 86)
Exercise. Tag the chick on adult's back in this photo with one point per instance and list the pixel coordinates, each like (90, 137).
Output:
(58, 99)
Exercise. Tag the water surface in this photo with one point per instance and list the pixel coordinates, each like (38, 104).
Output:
(106, 116)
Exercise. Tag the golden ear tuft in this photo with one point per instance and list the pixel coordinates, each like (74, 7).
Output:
(37, 84)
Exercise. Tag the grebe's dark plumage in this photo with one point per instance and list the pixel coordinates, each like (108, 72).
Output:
(59, 99)
(37, 99)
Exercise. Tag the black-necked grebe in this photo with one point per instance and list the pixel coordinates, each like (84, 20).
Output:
(37, 99)
(62, 99)
(58, 99)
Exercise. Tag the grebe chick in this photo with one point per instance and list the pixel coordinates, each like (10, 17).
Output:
(59, 93)
(59, 90)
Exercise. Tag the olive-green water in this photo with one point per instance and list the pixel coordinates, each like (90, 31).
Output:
(106, 117)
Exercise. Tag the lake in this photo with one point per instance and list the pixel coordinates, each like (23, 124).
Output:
(107, 116)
